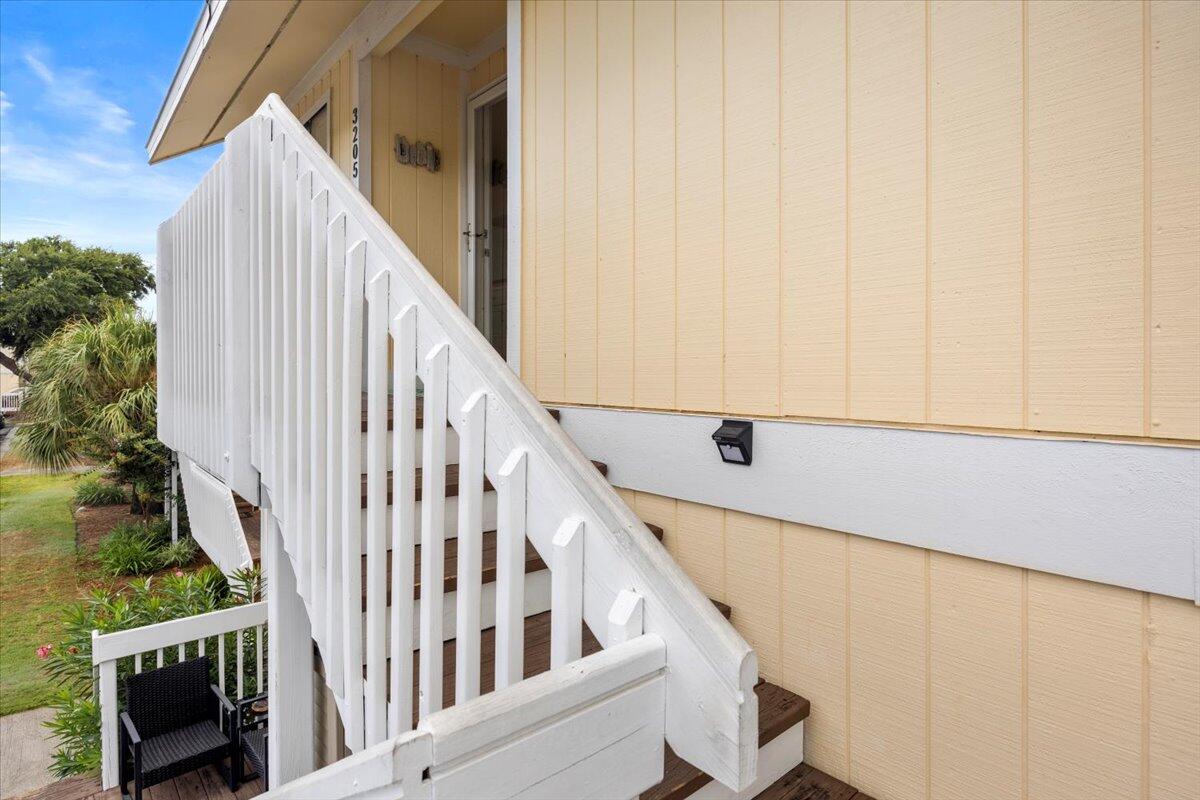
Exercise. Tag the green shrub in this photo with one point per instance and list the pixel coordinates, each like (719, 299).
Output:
(76, 723)
(132, 548)
(93, 490)
(179, 554)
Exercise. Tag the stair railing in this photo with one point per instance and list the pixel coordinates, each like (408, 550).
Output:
(304, 296)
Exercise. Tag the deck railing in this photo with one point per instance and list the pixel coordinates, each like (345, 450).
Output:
(10, 402)
(232, 637)
(283, 296)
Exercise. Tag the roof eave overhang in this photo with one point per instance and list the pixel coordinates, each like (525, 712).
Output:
(206, 24)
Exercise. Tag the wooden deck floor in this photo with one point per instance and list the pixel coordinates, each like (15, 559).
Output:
(203, 784)
(802, 783)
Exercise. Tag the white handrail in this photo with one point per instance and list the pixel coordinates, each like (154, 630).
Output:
(160, 638)
(285, 201)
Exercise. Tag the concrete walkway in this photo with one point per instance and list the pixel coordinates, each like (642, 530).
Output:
(25, 748)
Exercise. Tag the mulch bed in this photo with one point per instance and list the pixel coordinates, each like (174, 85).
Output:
(93, 523)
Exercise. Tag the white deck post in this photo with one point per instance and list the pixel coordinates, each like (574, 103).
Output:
(289, 663)
(110, 757)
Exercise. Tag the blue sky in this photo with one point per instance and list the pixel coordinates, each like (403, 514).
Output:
(82, 83)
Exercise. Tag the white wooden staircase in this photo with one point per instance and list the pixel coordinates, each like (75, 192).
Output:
(493, 620)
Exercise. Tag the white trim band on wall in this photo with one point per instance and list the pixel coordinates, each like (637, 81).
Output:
(1125, 514)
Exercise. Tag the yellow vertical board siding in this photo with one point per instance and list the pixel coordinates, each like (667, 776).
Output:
(1085, 217)
(453, 103)
(658, 510)
(975, 701)
(550, 236)
(420, 99)
(1175, 212)
(1033, 681)
(976, 203)
(429, 240)
(337, 81)
(887, 669)
(1085, 689)
(887, 211)
(814, 639)
(700, 546)
(751, 331)
(381, 136)
(581, 306)
(813, 209)
(699, 192)
(951, 310)
(1174, 712)
(752, 583)
(654, 204)
(614, 174)
(498, 63)
(528, 265)
(402, 188)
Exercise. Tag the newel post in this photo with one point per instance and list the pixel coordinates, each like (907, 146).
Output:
(106, 693)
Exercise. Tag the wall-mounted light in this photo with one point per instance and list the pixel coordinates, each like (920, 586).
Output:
(735, 441)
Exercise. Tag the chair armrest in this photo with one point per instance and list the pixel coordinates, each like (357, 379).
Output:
(225, 703)
(135, 740)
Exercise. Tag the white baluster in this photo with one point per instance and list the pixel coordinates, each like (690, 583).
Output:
(302, 522)
(275, 434)
(351, 411)
(470, 546)
(258, 659)
(159, 661)
(404, 514)
(625, 618)
(285, 507)
(336, 258)
(318, 377)
(433, 520)
(510, 570)
(566, 594)
(240, 660)
(377, 491)
(137, 664)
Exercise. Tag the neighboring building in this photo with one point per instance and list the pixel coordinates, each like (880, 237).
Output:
(945, 255)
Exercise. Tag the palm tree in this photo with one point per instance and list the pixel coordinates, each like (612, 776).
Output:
(93, 390)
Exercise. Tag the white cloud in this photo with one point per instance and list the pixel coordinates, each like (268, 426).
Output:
(114, 174)
(71, 90)
(5, 103)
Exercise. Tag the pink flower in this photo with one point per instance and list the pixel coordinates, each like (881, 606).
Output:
(178, 573)
(43, 652)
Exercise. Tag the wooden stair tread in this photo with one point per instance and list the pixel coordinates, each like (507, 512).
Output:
(421, 415)
(533, 563)
(451, 482)
(778, 710)
(809, 783)
(537, 657)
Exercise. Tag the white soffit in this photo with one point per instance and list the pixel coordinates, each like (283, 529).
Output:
(239, 52)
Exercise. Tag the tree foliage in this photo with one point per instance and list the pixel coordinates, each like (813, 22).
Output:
(47, 281)
(94, 396)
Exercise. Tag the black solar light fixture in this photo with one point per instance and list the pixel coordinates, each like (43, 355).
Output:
(735, 440)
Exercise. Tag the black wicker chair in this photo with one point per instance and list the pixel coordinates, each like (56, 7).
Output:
(172, 725)
(250, 741)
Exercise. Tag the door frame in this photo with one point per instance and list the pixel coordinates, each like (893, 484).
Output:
(468, 254)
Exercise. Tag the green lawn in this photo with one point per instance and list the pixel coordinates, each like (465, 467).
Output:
(37, 575)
